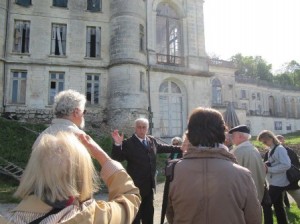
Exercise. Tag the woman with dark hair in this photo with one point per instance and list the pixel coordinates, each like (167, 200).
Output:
(209, 186)
(278, 162)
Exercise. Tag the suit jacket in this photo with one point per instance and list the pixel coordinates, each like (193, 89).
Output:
(141, 160)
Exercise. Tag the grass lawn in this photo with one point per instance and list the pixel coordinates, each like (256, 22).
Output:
(293, 214)
(7, 188)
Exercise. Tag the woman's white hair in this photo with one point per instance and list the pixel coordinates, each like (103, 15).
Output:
(65, 102)
(59, 167)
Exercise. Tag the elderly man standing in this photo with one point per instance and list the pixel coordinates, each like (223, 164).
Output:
(69, 110)
(248, 156)
(140, 153)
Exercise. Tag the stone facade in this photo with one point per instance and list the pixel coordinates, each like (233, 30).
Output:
(151, 63)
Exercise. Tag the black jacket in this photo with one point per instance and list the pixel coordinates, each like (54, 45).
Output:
(141, 161)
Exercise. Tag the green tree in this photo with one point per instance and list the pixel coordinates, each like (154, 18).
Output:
(291, 71)
(255, 67)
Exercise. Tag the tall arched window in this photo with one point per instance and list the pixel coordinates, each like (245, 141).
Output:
(216, 92)
(284, 108)
(293, 108)
(271, 106)
(170, 105)
(168, 35)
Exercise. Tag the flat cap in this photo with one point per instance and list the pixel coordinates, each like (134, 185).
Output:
(240, 128)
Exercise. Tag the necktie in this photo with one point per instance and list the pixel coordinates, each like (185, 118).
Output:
(145, 143)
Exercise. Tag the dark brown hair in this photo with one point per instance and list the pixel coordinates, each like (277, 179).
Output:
(206, 127)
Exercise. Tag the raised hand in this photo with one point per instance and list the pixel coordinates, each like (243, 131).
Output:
(94, 149)
(117, 137)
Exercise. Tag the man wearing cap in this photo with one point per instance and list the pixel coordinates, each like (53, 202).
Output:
(248, 156)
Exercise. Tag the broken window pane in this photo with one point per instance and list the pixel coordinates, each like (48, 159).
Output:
(21, 36)
(168, 33)
(58, 39)
(94, 5)
(57, 82)
(93, 88)
(93, 41)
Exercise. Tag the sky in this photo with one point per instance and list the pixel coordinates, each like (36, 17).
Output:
(266, 28)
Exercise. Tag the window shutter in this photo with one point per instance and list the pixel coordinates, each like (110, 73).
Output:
(64, 39)
(27, 36)
(98, 41)
(53, 39)
(88, 41)
(18, 37)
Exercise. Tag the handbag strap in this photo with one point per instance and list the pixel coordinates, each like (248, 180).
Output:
(53, 211)
(273, 150)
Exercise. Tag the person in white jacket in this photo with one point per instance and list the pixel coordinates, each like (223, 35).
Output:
(277, 164)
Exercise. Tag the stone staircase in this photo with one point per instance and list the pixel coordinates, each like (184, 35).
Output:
(10, 169)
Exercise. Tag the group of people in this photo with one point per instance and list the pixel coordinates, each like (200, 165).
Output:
(211, 183)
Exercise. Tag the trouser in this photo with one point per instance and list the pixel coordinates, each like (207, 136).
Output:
(295, 195)
(286, 200)
(276, 194)
(268, 214)
(146, 211)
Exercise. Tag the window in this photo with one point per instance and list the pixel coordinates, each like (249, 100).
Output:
(258, 96)
(58, 40)
(243, 94)
(23, 2)
(18, 87)
(60, 3)
(93, 40)
(142, 81)
(216, 92)
(94, 5)
(57, 81)
(168, 35)
(93, 88)
(253, 96)
(21, 36)
(277, 125)
(244, 106)
(142, 36)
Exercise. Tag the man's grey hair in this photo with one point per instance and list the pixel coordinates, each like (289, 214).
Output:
(65, 102)
(141, 120)
(246, 135)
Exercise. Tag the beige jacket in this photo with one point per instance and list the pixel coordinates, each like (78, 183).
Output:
(123, 204)
(209, 187)
(248, 156)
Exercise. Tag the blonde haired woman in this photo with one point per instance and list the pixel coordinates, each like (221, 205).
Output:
(60, 179)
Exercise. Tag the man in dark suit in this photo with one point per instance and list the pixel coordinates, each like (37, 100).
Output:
(140, 153)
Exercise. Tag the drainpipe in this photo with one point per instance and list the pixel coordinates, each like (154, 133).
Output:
(5, 54)
(148, 74)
